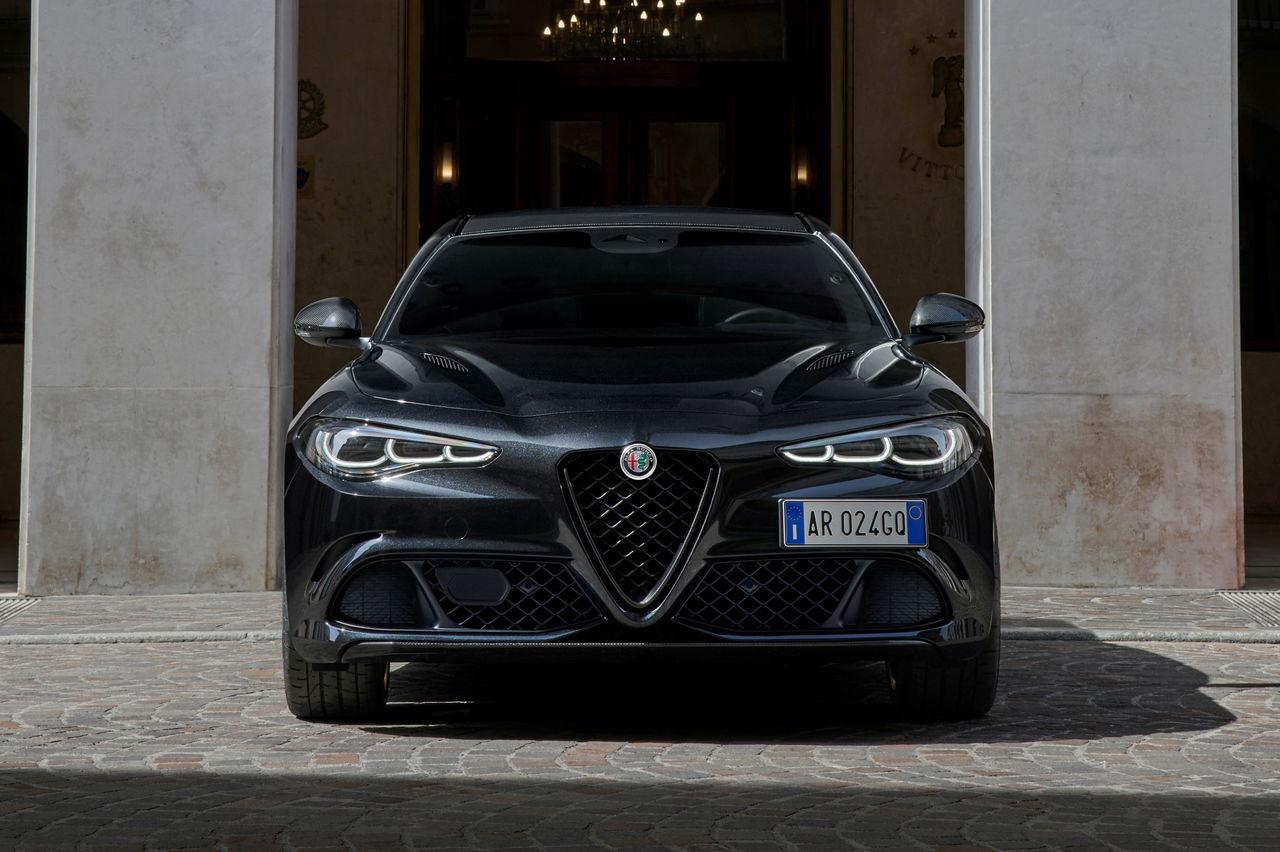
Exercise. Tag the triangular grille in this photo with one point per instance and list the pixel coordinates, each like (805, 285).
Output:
(639, 531)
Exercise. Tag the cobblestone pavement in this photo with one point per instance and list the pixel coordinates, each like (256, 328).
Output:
(90, 614)
(1132, 609)
(188, 745)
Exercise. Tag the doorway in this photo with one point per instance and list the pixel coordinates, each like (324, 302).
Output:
(743, 120)
(627, 146)
(1259, 135)
(15, 83)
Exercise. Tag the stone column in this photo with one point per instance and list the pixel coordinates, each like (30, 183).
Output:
(160, 276)
(1102, 238)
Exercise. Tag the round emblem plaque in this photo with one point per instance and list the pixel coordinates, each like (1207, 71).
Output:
(638, 461)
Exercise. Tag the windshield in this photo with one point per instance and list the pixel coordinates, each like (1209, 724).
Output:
(637, 281)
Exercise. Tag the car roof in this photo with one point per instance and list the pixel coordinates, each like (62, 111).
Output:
(604, 217)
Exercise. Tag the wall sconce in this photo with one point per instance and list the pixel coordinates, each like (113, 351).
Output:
(446, 171)
(801, 176)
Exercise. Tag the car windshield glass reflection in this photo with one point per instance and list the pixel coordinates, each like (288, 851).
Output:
(704, 282)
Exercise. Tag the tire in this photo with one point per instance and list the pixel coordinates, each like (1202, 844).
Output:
(926, 689)
(354, 692)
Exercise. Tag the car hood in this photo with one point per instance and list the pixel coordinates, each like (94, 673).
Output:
(744, 376)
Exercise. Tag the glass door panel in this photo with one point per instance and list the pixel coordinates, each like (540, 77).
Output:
(569, 163)
(686, 163)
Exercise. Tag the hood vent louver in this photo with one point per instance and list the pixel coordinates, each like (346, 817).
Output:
(830, 360)
(444, 362)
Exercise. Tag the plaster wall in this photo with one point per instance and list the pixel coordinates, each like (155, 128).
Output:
(1106, 249)
(159, 284)
(350, 223)
(908, 189)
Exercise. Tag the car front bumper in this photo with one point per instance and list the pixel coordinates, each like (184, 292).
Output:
(474, 521)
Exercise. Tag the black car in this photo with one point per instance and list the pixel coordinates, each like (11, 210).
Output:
(637, 431)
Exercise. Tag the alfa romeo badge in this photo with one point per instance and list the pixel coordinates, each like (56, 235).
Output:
(638, 461)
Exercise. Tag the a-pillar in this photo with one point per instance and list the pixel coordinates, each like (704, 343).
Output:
(160, 278)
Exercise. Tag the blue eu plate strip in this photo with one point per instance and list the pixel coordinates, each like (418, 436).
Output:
(915, 523)
(793, 518)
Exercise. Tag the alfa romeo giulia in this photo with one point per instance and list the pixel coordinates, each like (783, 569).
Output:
(611, 432)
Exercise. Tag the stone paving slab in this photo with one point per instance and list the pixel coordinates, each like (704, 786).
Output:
(1090, 746)
(85, 614)
(1124, 609)
(1028, 612)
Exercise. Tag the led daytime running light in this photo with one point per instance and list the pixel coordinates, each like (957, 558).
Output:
(952, 445)
(396, 450)
(950, 435)
(324, 442)
(825, 455)
(886, 449)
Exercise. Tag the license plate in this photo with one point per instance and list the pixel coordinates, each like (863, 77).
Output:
(853, 523)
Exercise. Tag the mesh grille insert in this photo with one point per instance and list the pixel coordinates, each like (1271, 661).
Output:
(764, 595)
(543, 596)
(796, 595)
(639, 529)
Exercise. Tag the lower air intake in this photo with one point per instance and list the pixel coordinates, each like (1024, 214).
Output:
(508, 595)
(894, 593)
(501, 595)
(769, 595)
(810, 595)
(384, 595)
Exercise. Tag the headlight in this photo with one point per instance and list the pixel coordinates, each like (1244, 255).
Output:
(913, 450)
(360, 451)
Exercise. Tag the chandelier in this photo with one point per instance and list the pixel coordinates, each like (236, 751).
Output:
(625, 29)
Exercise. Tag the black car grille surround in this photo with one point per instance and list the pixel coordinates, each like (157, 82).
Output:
(499, 595)
(539, 596)
(787, 594)
(639, 531)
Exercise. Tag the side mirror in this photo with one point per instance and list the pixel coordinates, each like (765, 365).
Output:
(944, 318)
(330, 322)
